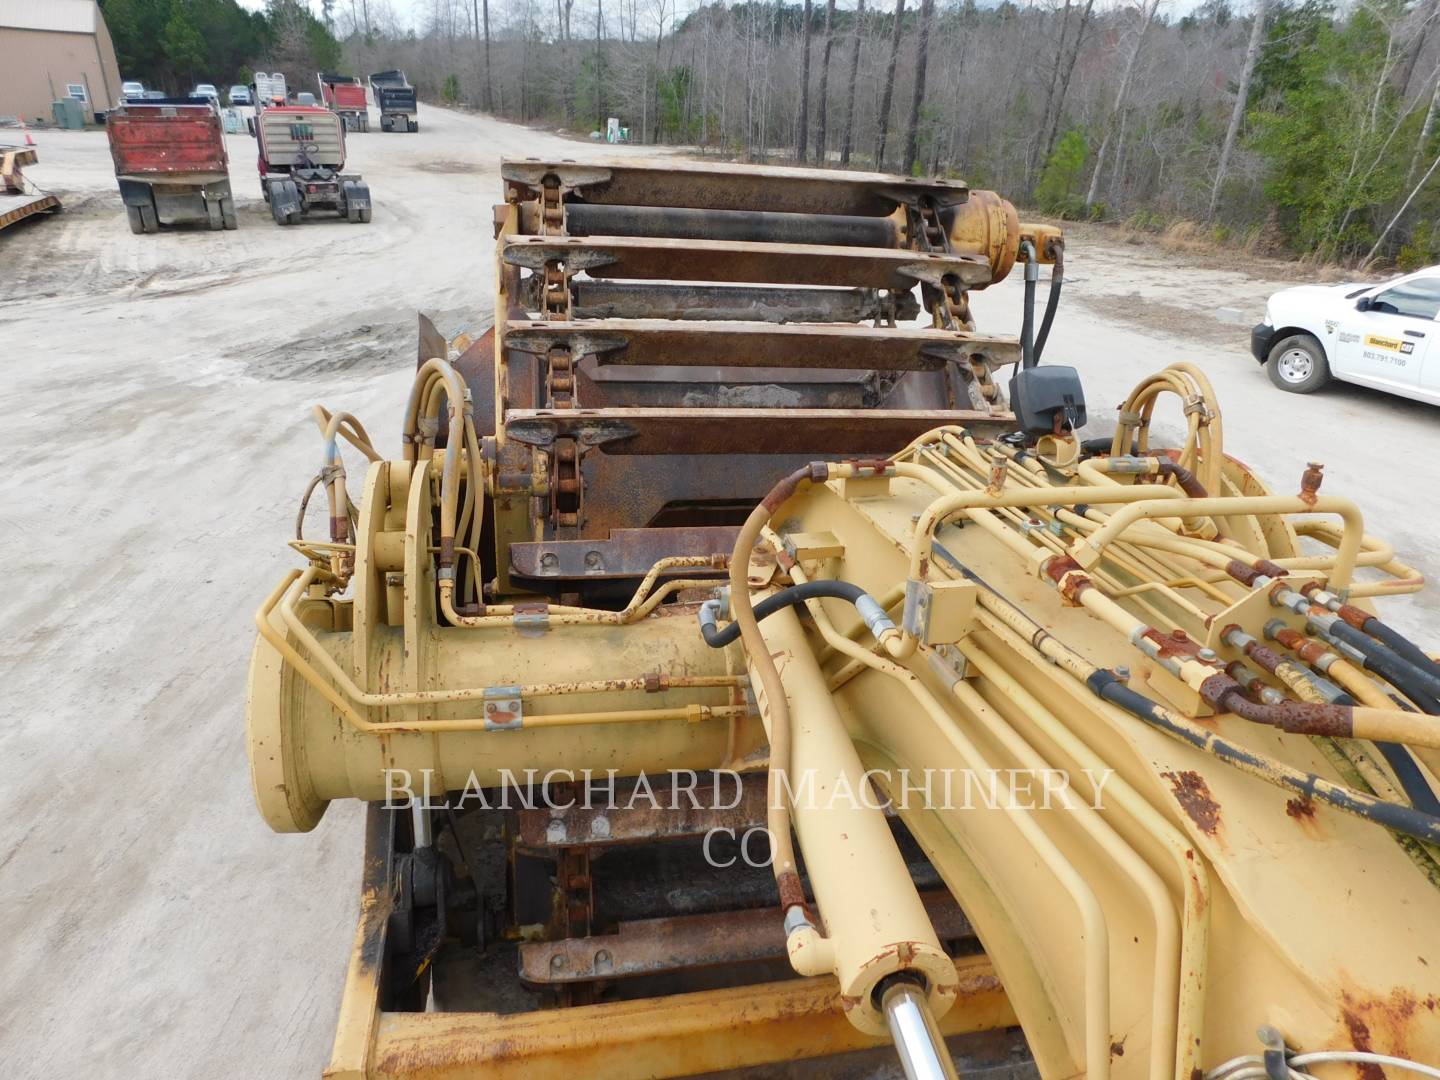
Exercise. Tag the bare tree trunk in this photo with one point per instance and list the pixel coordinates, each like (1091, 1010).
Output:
(1120, 96)
(1054, 75)
(599, 65)
(1059, 113)
(917, 99)
(1426, 129)
(889, 92)
(659, 39)
(845, 135)
(1242, 100)
(1417, 46)
(1403, 207)
(489, 90)
(802, 122)
(821, 104)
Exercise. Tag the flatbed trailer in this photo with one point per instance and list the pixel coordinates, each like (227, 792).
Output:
(171, 163)
(20, 199)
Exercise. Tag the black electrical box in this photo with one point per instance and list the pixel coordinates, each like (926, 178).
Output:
(1039, 394)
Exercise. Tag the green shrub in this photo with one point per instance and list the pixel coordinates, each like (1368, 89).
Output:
(1058, 191)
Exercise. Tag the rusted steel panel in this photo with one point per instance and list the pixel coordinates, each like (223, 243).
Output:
(647, 820)
(763, 226)
(732, 187)
(626, 553)
(742, 431)
(739, 345)
(165, 140)
(721, 260)
(659, 946)
(681, 1035)
(737, 303)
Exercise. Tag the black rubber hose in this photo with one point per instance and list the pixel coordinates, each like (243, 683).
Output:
(1412, 780)
(1027, 325)
(1402, 646)
(1419, 686)
(1057, 277)
(1401, 819)
(718, 638)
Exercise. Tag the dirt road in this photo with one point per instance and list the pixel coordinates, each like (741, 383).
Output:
(155, 426)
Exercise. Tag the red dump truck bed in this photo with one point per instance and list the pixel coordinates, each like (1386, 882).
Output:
(344, 96)
(155, 141)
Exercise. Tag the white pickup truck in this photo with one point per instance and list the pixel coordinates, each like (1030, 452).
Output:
(1379, 336)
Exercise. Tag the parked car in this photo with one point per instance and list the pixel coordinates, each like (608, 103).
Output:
(240, 95)
(206, 90)
(132, 89)
(1379, 336)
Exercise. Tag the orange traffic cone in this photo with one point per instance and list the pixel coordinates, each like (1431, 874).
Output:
(28, 140)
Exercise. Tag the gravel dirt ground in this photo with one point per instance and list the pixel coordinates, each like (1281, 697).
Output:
(155, 415)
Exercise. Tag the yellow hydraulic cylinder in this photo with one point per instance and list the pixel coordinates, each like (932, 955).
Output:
(874, 922)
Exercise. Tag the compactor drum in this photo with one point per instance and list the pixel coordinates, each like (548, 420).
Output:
(749, 668)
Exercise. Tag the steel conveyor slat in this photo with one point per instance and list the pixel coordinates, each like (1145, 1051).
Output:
(639, 342)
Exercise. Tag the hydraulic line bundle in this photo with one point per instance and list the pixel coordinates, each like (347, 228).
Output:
(977, 739)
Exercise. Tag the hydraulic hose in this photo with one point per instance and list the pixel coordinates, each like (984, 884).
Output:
(1412, 781)
(1027, 326)
(1401, 819)
(1387, 635)
(1401, 645)
(870, 610)
(1407, 820)
(1419, 686)
(1057, 277)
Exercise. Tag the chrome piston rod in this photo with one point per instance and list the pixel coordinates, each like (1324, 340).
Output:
(917, 1038)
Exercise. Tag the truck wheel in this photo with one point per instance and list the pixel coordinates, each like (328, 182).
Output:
(294, 217)
(214, 215)
(149, 219)
(1297, 364)
(414, 125)
(227, 213)
(137, 223)
(365, 215)
(281, 218)
(352, 213)
(365, 122)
